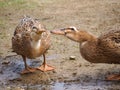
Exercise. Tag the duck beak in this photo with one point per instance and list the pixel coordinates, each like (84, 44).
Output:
(58, 32)
(40, 32)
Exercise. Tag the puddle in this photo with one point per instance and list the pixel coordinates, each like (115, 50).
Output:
(71, 86)
(57, 81)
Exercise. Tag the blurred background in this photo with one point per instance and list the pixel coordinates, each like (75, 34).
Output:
(92, 15)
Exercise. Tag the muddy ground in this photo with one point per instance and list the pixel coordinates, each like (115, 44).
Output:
(95, 16)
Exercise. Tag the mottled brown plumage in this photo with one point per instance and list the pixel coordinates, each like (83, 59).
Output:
(102, 49)
(31, 40)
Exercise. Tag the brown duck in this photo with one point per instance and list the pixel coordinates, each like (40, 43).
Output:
(31, 40)
(102, 49)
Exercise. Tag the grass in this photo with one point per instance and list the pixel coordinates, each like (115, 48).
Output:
(7, 3)
(18, 4)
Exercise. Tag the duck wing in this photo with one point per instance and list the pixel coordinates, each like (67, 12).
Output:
(21, 35)
(21, 43)
(109, 42)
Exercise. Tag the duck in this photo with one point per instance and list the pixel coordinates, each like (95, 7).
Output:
(95, 49)
(31, 40)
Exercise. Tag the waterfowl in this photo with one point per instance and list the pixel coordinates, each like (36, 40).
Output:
(31, 40)
(102, 49)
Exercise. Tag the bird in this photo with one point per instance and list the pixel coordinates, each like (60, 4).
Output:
(95, 49)
(31, 40)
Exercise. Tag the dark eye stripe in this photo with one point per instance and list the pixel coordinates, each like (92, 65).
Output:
(67, 28)
(71, 29)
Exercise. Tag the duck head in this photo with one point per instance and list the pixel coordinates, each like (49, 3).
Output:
(36, 33)
(74, 34)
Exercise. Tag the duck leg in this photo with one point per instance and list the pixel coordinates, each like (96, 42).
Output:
(27, 68)
(44, 67)
(114, 77)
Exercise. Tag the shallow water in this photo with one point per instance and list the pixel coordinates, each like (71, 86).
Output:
(10, 72)
(72, 86)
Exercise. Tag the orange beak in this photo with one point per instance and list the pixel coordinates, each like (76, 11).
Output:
(58, 32)
(40, 31)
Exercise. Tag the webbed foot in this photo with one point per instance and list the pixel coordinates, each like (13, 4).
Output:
(45, 68)
(28, 70)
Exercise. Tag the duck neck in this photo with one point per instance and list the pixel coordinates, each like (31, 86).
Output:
(36, 39)
(88, 38)
(36, 44)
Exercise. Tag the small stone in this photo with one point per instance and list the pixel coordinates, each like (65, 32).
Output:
(72, 58)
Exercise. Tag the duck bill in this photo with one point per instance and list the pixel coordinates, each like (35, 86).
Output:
(40, 32)
(58, 32)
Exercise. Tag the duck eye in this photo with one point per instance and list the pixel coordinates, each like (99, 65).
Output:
(34, 27)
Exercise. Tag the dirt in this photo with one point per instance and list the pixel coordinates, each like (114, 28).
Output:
(95, 16)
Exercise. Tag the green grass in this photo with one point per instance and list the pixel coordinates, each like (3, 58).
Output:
(6, 3)
(17, 4)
